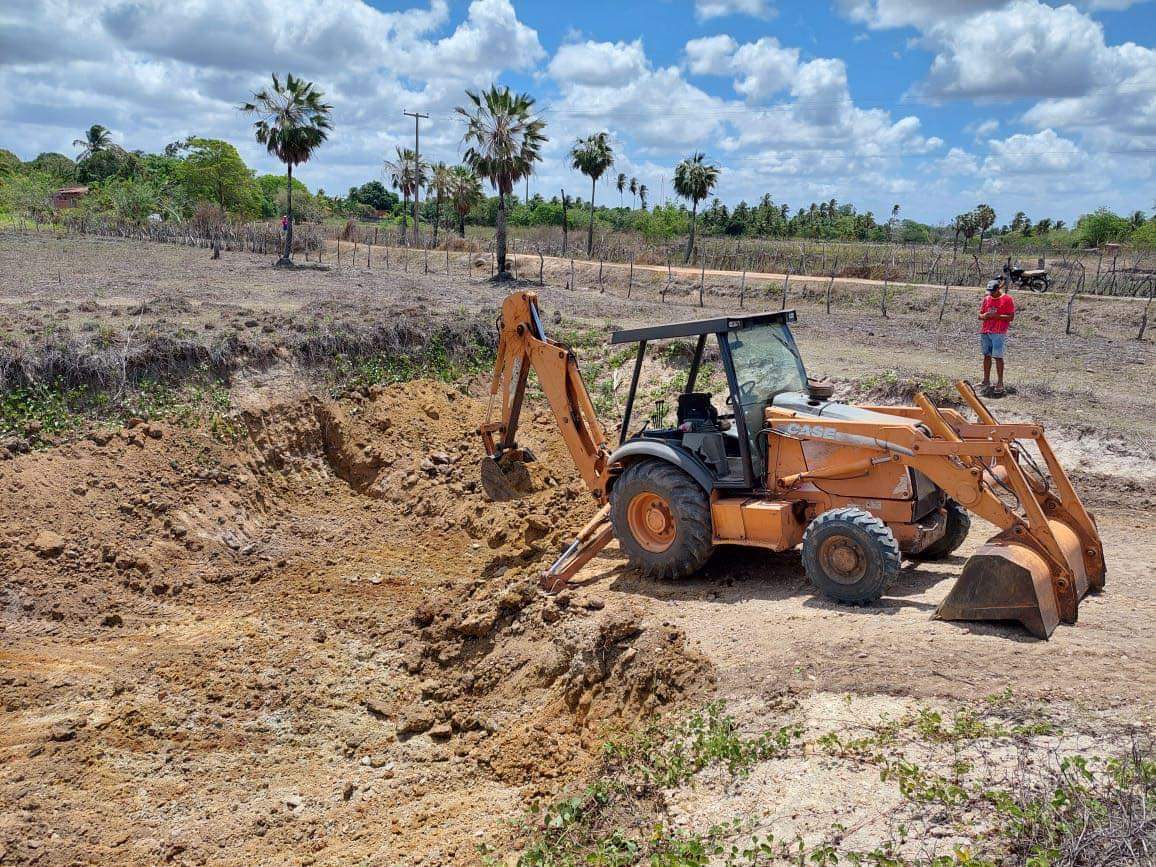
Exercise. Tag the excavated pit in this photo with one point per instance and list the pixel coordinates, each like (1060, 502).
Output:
(318, 638)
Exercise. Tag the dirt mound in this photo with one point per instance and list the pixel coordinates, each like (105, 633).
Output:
(320, 612)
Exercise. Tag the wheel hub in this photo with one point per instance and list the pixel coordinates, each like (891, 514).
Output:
(843, 560)
(651, 522)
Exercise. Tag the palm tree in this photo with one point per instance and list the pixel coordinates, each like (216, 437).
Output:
(97, 138)
(634, 190)
(292, 122)
(592, 156)
(405, 174)
(984, 220)
(465, 192)
(440, 181)
(504, 140)
(642, 191)
(694, 179)
(620, 184)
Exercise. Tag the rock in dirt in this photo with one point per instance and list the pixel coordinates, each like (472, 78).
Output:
(415, 722)
(48, 544)
(477, 623)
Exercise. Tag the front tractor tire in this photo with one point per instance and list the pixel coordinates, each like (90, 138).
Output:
(661, 518)
(850, 555)
(955, 534)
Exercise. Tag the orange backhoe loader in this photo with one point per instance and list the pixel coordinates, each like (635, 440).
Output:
(780, 464)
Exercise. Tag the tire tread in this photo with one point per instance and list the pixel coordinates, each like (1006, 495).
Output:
(687, 500)
(880, 537)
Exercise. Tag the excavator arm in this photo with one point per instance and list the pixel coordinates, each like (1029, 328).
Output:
(523, 346)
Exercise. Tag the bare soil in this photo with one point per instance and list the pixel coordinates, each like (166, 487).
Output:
(314, 641)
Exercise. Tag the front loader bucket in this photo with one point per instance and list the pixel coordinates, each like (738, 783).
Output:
(1009, 580)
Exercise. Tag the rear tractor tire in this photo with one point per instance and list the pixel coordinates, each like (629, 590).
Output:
(958, 526)
(850, 555)
(661, 518)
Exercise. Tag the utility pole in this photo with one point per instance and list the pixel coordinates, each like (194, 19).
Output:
(417, 118)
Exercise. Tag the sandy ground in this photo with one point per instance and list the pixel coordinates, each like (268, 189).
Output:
(316, 642)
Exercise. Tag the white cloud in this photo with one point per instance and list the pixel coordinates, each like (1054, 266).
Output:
(885, 14)
(1039, 154)
(155, 71)
(599, 63)
(957, 162)
(761, 69)
(985, 129)
(1113, 5)
(1025, 49)
(711, 55)
(764, 68)
(706, 9)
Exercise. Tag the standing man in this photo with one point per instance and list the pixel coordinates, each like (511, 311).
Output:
(995, 313)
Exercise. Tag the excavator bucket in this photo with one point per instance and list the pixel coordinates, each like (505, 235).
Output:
(507, 477)
(1038, 570)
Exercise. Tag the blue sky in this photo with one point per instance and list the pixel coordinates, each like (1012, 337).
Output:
(1030, 105)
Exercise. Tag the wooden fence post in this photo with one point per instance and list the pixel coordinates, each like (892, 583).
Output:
(830, 283)
(601, 259)
(701, 279)
(743, 286)
(1144, 315)
(943, 302)
(786, 280)
(883, 299)
(1072, 299)
(630, 277)
(571, 284)
(541, 267)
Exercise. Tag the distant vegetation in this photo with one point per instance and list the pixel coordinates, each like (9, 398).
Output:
(206, 179)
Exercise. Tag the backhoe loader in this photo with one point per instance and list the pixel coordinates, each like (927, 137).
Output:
(780, 464)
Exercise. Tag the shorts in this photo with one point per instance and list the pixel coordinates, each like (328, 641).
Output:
(992, 344)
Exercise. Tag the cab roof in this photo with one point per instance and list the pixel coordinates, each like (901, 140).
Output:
(697, 327)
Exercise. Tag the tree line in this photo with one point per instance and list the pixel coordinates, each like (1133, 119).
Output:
(206, 179)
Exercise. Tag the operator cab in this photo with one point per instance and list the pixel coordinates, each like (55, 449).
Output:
(724, 432)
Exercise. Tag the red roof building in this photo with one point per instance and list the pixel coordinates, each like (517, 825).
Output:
(68, 197)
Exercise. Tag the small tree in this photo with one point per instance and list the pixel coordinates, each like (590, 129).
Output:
(440, 183)
(465, 192)
(214, 172)
(620, 185)
(592, 156)
(292, 123)
(984, 219)
(694, 179)
(504, 139)
(29, 194)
